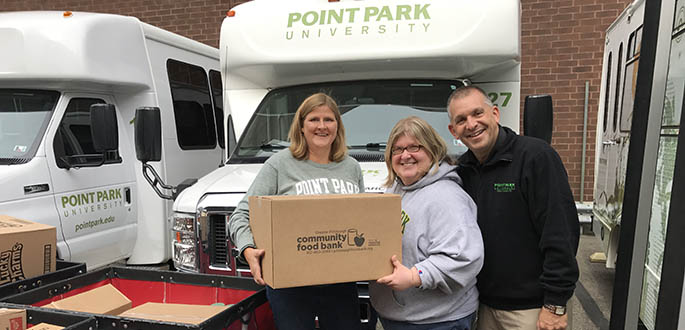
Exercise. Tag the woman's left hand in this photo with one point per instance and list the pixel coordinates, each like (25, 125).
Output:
(402, 277)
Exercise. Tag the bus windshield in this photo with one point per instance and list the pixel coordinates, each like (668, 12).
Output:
(24, 116)
(369, 110)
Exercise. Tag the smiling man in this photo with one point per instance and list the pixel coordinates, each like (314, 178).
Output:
(526, 214)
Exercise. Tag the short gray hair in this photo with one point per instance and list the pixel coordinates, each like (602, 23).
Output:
(465, 91)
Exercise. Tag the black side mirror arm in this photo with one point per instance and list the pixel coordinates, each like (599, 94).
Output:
(156, 182)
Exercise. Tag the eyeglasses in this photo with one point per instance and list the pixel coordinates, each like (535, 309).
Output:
(412, 148)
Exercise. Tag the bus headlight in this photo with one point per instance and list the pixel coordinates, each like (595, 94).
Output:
(184, 242)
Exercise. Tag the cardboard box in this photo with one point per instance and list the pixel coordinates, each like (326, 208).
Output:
(12, 319)
(27, 249)
(178, 313)
(45, 326)
(322, 239)
(102, 300)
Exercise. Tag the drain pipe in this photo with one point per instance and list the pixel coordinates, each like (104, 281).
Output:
(582, 164)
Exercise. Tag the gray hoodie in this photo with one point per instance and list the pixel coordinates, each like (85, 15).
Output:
(441, 238)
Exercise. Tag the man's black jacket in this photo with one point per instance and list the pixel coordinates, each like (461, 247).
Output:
(529, 223)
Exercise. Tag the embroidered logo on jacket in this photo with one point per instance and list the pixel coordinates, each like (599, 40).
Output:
(504, 187)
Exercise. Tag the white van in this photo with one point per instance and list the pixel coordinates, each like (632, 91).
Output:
(614, 119)
(53, 67)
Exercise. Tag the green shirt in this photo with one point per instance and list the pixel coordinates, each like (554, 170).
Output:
(282, 174)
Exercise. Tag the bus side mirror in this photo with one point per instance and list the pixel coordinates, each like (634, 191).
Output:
(148, 139)
(148, 134)
(538, 118)
(104, 128)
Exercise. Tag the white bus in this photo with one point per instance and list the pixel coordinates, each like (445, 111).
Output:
(380, 60)
(614, 118)
(53, 67)
(640, 187)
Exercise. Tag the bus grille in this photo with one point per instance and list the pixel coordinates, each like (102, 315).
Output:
(368, 157)
(218, 240)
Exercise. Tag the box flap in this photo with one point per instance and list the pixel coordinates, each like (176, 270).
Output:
(10, 311)
(103, 300)
(10, 224)
(45, 326)
(179, 313)
(261, 226)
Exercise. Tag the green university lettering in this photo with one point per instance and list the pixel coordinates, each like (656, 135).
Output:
(335, 23)
(349, 15)
(89, 202)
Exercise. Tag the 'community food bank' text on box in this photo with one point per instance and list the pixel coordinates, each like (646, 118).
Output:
(322, 239)
(27, 249)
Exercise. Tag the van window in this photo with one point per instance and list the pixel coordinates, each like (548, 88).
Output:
(232, 143)
(618, 84)
(630, 81)
(74, 141)
(217, 98)
(193, 111)
(24, 117)
(607, 91)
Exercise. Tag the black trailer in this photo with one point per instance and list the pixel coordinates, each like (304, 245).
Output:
(69, 321)
(64, 270)
(249, 305)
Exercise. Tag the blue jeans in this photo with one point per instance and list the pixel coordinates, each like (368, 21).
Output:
(336, 305)
(460, 324)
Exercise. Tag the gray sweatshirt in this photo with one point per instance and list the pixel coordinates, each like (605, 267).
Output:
(282, 174)
(441, 238)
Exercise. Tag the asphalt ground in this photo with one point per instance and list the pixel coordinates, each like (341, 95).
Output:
(591, 303)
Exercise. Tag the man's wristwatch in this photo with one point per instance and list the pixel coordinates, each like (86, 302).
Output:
(555, 309)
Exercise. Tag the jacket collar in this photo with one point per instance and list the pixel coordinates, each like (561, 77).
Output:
(500, 152)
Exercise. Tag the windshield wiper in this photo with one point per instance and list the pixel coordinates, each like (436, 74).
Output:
(369, 146)
(13, 160)
(272, 146)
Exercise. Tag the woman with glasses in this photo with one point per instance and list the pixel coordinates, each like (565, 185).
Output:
(434, 286)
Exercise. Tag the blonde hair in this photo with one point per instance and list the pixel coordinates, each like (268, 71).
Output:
(425, 134)
(298, 144)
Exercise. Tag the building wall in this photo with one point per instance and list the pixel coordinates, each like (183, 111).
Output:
(562, 44)
(195, 19)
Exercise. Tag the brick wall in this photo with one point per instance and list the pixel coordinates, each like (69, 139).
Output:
(199, 19)
(562, 45)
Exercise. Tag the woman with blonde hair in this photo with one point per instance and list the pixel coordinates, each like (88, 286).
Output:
(316, 161)
(434, 287)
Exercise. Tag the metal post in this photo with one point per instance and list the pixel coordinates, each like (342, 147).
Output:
(582, 162)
